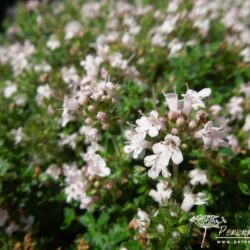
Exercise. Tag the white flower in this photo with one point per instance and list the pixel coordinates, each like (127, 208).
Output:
(198, 176)
(202, 25)
(18, 134)
(151, 125)
(42, 67)
(68, 140)
(70, 75)
(160, 228)
(18, 55)
(96, 164)
(192, 99)
(195, 98)
(173, 6)
(235, 107)
(117, 61)
(43, 92)
(246, 126)
(53, 171)
(12, 227)
(158, 39)
(10, 89)
(4, 216)
(91, 10)
(172, 102)
(20, 100)
(245, 88)
(175, 46)
(162, 193)
(169, 25)
(215, 109)
(105, 89)
(53, 43)
(91, 65)
(91, 134)
(212, 136)
(28, 221)
(76, 185)
(233, 142)
(136, 144)
(191, 199)
(163, 152)
(72, 29)
(142, 220)
(245, 53)
(70, 105)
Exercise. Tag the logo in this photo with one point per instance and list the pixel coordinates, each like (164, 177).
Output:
(225, 234)
(206, 222)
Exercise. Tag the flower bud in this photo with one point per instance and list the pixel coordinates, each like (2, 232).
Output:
(96, 183)
(101, 116)
(43, 78)
(171, 115)
(180, 121)
(174, 131)
(176, 234)
(104, 98)
(105, 126)
(160, 228)
(109, 185)
(91, 178)
(83, 100)
(73, 51)
(162, 119)
(50, 110)
(91, 108)
(88, 121)
(192, 124)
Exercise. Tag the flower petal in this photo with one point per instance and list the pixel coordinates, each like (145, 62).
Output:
(205, 92)
(177, 156)
(153, 132)
(154, 172)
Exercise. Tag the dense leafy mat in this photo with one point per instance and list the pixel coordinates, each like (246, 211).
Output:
(121, 120)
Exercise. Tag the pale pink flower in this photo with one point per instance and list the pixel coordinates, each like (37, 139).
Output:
(246, 126)
(53, 171)
(233, 142)
(96, 165)
(10, 89)
(142, 220)
(198, 176)
(235, 107)
(191, 199)
(162, 193)
(150, 125)
(163, 152)
(72, 28)
(137, 144)
(212, 136)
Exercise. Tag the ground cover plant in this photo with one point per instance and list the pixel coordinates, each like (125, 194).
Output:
(120, 121)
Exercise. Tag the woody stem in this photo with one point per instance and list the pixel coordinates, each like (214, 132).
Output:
(175, 174)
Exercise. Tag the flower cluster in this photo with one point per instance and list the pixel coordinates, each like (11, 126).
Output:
(91, 132)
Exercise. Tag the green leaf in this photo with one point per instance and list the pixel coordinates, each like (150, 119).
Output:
(244, 187)
(183, 229)
(103, 219)
(69, 217)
